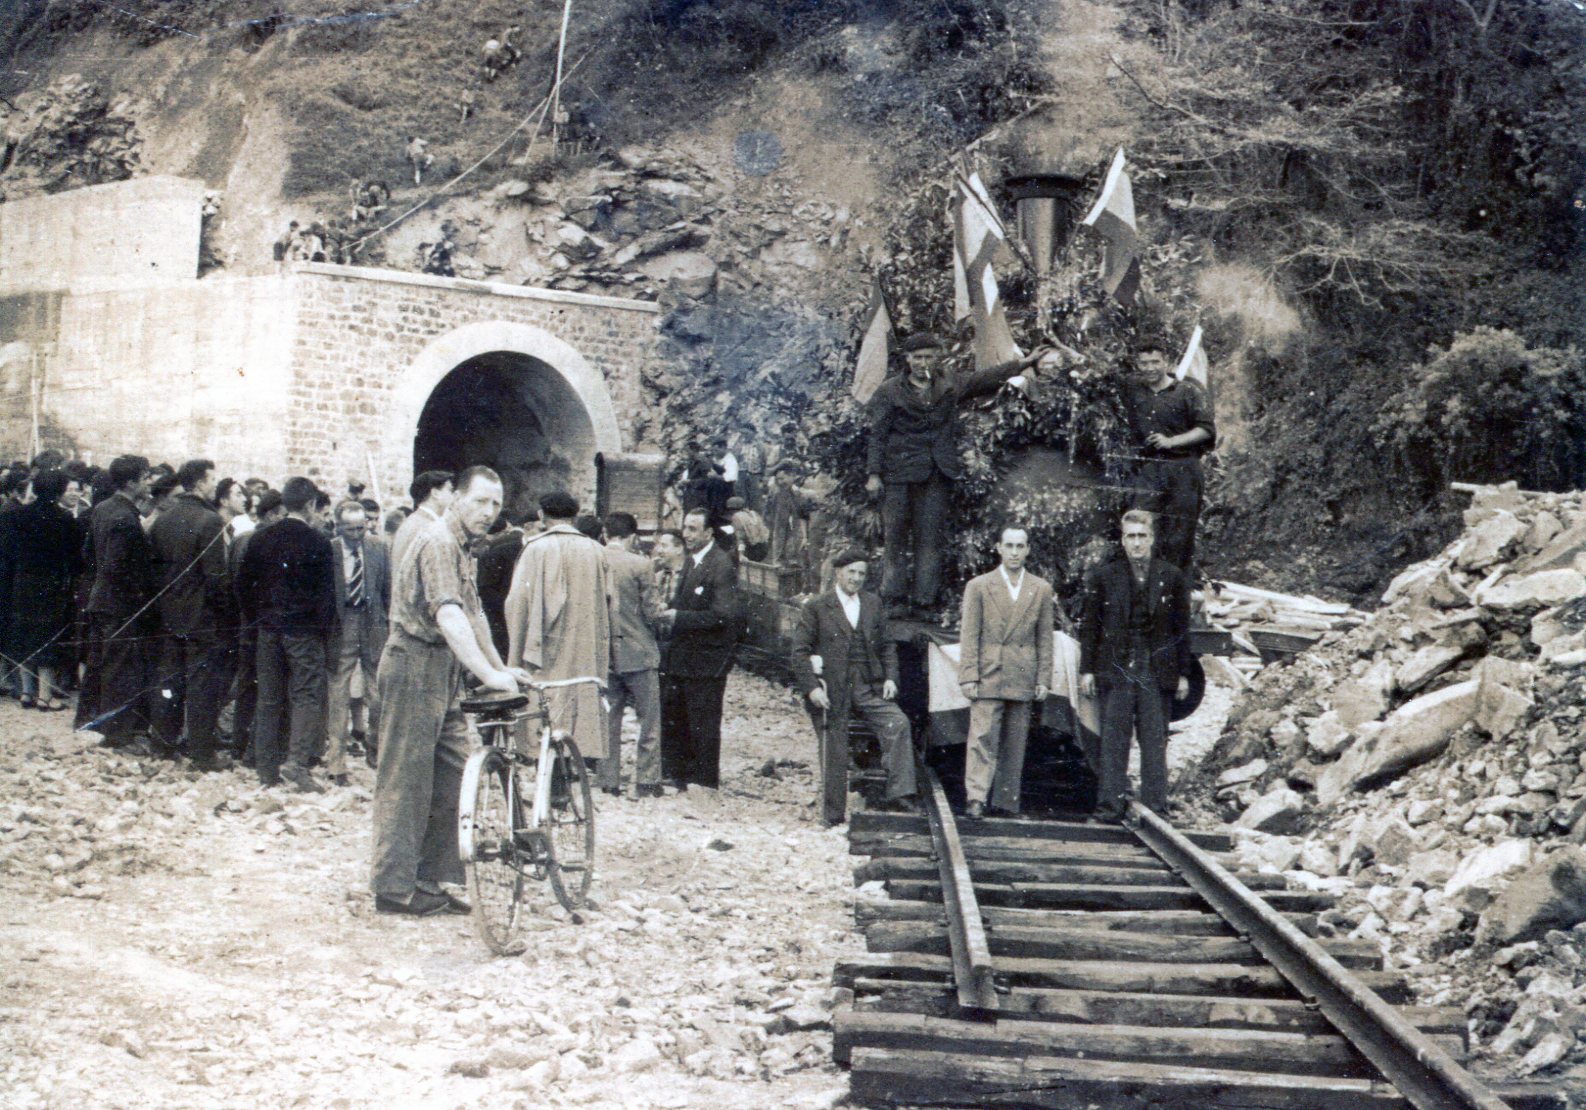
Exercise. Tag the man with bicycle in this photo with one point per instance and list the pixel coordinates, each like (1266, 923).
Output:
(438, 629)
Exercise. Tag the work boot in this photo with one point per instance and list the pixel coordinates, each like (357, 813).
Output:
(300, 779)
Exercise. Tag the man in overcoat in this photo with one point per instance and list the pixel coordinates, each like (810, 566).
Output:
(558, 622)
(119, 618)
(704, 621)
(1004, 668)
(847, 665)
(1134, 655)
(197, 653)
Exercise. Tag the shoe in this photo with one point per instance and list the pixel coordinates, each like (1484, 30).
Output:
(342, 779)
(648, 790)
(614, 791)
(28, 702)
(456, 905)
(210, 763)
(301, 779)
(371, 756)
(50, 706)
(975, 810)
(422, 904)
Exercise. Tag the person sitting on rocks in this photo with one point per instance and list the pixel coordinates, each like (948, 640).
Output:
(465, 105)
(438, 256)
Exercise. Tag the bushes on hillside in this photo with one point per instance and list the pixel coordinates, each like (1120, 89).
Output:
(1490, 409)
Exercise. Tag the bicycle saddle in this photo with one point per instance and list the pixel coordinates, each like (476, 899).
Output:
(494, 703)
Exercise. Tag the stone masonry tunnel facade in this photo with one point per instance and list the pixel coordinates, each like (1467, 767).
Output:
(330, 371)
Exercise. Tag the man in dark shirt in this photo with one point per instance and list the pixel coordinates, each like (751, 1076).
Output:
(913, 461)
(289, 572)
(1134, 656)
(118, 610)
(269, 511)
(1173, 427)
(195, 606)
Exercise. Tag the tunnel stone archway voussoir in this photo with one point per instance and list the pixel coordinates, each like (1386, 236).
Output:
(532, 346)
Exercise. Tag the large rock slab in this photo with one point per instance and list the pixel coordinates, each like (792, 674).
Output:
(1560, 551)
(1504, 698)
(691, 273)
(1537, 590)
(1363, 699)
(1277, 811)
(1490, 541)
(1551, 895)
(1426, 665)
(1326, 735)
(1474, 881)
(1415, 732)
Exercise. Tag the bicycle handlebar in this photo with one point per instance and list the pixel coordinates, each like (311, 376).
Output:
(559, 682)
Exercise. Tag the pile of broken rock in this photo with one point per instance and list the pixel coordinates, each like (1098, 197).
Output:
(1429, 767)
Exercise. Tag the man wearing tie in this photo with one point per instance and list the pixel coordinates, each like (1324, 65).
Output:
(846, 665)
(704, 623)
(1006, 663)
(363, 600)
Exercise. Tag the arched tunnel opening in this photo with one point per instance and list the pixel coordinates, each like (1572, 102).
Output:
(517, 415)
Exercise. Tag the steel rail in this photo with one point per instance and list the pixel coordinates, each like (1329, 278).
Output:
(1428, 1077)
(966, 932)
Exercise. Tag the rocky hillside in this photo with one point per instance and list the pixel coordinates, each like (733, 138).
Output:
(1372, 207)
(1431, 766)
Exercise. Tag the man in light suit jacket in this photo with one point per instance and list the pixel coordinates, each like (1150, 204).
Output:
(1135, 653)
(635, 659)
(1004, 669)
(363, 604)
(704, 622)
(846, 664)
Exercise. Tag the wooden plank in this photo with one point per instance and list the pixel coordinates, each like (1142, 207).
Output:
(1034, 942)
(1262, 1050)
(1236, 980)
(1136, 1008)
(869, 822)
(912, 1078)
(1015, 847)
(1039, 871)
(1092, 897)
(1189, 923)
(972, 968)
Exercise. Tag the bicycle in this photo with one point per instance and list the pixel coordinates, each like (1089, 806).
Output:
(523, 814)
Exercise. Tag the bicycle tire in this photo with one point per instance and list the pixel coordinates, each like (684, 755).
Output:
(569, 828)
(492, 816)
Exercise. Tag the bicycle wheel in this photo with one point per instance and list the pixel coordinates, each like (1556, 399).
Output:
(489, 820)
(570, 828)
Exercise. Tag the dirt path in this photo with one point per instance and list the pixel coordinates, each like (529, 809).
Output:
(193, 941)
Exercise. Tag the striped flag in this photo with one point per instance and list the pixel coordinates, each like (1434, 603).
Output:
(871, 369)
(1194, 365)
(1113, 216)
(961, 306)
(979, 237)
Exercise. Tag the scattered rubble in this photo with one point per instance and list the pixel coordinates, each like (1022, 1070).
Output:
(177, 939)
(1429, 764)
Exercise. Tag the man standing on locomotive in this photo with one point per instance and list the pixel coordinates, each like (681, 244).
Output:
(438, 628)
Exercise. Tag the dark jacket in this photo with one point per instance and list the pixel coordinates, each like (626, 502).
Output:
(705, 630)
(40, 557)
(376, 577)
(122, 558)
(823, 630)
(1104, 626)
(911, 435)
(190, 565)
(288, 578)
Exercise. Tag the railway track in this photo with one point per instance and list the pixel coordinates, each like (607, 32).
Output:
(1051, 964)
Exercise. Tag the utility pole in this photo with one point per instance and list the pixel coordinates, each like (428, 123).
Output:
(558, 117)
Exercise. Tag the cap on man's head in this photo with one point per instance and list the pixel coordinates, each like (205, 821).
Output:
(849, 557)
(736, 502)
(923, 341)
